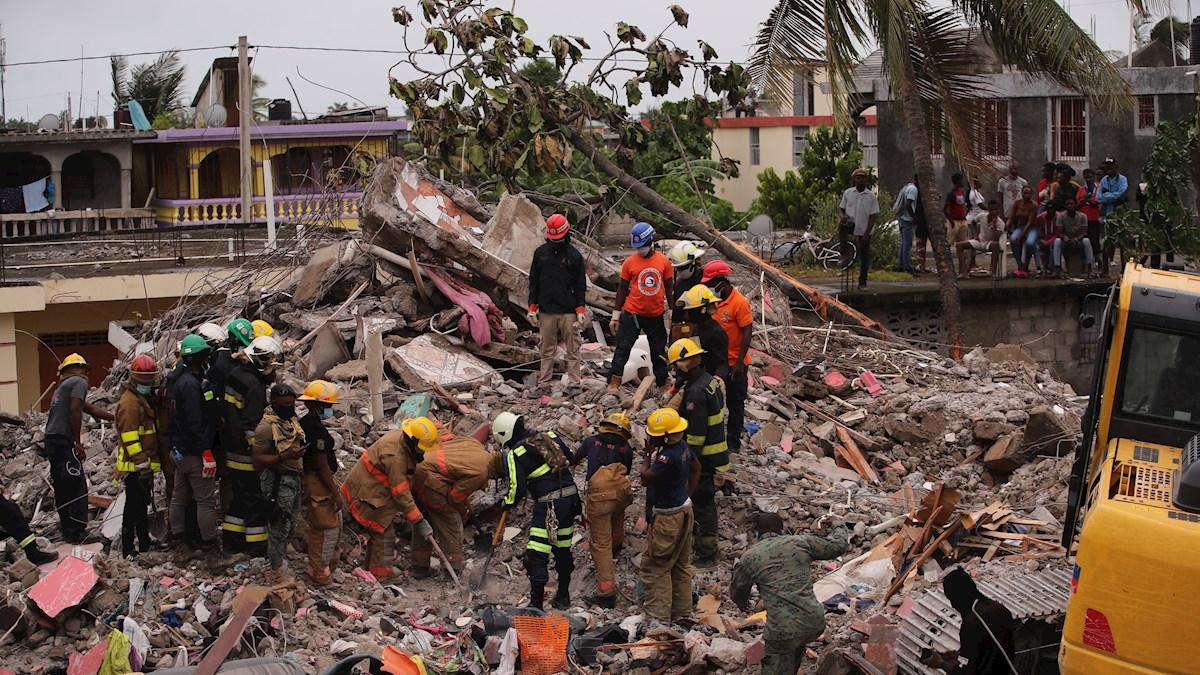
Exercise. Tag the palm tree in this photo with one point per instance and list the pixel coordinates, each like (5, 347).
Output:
(929, 63)
(258, 103)
(157, 86)
(1170, 29)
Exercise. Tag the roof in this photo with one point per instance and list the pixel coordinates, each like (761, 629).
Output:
(219, 63)
(283, 131)
(1153, 54)
(92, 136)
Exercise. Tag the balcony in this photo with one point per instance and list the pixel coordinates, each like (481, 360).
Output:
(337, 209)
(57, 222)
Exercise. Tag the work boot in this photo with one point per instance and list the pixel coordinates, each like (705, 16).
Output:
(605, 601)
(278, 575)
(704, 562)
(537, 596)
(36, 555)
(320, 577)
(383, 574)
(562, 597)
(614, 384)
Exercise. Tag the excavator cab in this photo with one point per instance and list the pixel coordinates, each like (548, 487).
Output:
(1134, 494)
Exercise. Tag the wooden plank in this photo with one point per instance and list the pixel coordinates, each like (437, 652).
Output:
(244, 606)
(920, 560)
(859, 438)
(855, 456)
(991, 552)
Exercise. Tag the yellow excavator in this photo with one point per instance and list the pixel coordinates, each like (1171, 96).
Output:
(1135, 486)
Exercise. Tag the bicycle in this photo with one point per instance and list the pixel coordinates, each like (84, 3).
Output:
(811, 249)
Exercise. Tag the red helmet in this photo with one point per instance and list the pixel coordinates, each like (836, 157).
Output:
(557, 227)
(143, 369)
(714, 269)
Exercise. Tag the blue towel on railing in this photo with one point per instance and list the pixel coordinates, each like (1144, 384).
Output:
(35, 196)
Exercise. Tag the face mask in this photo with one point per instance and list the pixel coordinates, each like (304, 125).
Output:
(645, 251)
(327, 413)
(284, 412)
(144, 389)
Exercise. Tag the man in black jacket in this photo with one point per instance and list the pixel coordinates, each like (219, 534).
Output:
(557, 286)
(191, 434)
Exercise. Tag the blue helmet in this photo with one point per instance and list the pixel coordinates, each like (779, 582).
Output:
(641, 235)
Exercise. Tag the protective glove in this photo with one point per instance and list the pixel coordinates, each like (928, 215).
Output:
(208, 464)
(615, 323)
(581, 319)
(423, 528)
(532, 317)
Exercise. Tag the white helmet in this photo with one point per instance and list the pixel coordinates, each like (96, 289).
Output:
(504, 427)
(264, 350)
(214, 334)
(684, 253)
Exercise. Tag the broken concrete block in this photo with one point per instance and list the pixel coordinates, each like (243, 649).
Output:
(1004, 456)
(515, 231)
(987, 430)
(1046, 433)
(726, 653)
(824, 431)
(20, 569)
(426, 361)
(65, 587)
(328, 350)
(348, 371)
(905, 429)
(315, 279)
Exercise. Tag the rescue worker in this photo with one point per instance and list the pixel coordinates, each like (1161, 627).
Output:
(672, 470)
(191, 432)
(735, 316)
(556, 502)
(609, 462)
(557, 305)
(244, 527)
(13, 524)
(65, 448)
(683, 257)
(138, 456)
(703, 406)
(647, 280)
(278, 454)
(986, 639)
(780, 566)
(323, 500)
(225, 343)
(379, 488)
(453, 468)
(699, 304)
(261, 328)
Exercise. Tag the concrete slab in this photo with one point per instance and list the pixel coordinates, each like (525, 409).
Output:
(65, 587)
(515, 231)
(439, 363)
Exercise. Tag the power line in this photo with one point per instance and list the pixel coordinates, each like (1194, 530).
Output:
(109, 56)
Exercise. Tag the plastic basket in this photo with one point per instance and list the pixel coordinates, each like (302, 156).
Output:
(543, 643)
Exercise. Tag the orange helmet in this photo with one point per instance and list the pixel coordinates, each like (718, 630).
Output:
(714, 269)
(143, 369)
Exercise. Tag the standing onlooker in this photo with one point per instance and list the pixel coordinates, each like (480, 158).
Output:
(1023, 231)
(1089, 206)
(647, 280)
(65, 448)
(1008, 189)
(1072, 228)
(736, 317)
(906, 206)
(955, 210)
(1063, 188)
(976, 200)
(557, 287)
(859, 208)
(278, 453)
(1114, 188)
(1047, 179)
(991, 229)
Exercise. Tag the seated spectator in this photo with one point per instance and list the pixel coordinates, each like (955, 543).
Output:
(986, 237)
(1072, 229)
(1023, 231)
(1049, 234)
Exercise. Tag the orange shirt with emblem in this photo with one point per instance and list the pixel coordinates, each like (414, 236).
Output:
(647, 279)
(734, 314)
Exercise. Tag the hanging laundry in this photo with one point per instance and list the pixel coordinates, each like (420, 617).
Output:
(11, 200)
(35, 196)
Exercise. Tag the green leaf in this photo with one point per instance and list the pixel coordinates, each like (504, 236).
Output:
(629, 34)
(519, 24)
(472, 78)
(581, 42)
(429, 9)
(524, 156)
(438, 39)
(528, 47)
(457, 93)
(633, 91)
(681, 17)
(706, 51)
(475, 154)
(535, 120)
(501, 96)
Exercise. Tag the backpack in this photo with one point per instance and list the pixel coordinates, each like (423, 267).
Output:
(547, 445)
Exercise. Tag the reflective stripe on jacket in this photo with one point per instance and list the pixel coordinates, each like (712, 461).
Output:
(703, 407)
(136, 423)
(378, 487)
(449, 474)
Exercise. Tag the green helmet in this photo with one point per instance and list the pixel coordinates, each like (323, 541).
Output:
(242, 330)
(192, 345)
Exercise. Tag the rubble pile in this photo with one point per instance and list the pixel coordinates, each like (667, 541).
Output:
(929, 462)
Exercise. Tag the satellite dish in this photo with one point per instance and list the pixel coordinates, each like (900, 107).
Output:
(761, 226)
(49, 122)
(101, 122)
(216, 115)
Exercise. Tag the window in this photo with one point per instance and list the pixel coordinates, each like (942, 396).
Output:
(800, 92)
(755, 154)
(994, 138)
(1147, 114)
(799, 144)
(1160, 366)
(1068, 129)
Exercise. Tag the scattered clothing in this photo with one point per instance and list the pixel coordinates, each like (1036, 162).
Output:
(34, 195)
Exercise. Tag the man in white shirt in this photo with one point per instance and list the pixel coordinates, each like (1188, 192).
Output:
(859, 208)
(1008, 190)
(990, 230)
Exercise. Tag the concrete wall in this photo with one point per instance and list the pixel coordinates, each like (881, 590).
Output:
(57, 153)
(775, 143)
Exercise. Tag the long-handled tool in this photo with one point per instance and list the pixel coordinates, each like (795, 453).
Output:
(497, 536)
(445, 562)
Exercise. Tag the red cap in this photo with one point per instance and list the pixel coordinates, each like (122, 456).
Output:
(557, 227)
(714, 269)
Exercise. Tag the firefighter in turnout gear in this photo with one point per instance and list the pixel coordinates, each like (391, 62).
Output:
(245, 524)
(673, 472)
(538, 464)
(609, 461)
(453, 468)
(278, 453)
(699, 304)
(683, 257)
(323, 500)
(379, 488)
(137, 451)
(703, 407)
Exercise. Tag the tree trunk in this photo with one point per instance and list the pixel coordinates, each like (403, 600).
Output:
(918, 136)
(826, 307)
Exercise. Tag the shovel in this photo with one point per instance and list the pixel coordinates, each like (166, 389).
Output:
(496, 537)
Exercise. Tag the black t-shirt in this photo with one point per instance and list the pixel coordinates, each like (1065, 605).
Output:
(319, 440)
(671, 467)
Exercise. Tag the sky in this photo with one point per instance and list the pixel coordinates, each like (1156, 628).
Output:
(98, 29)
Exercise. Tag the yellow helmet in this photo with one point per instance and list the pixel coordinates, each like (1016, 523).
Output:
(320, 390)
(697, 296)
(72, 360)
(665, 421)
(683, 348)
(262, 328)
(423, 430)
(618, 422)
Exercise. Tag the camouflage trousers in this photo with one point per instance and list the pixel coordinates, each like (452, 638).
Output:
(783, 657)
(280, 532)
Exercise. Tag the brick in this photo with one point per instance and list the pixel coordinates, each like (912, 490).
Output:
(1045, 324)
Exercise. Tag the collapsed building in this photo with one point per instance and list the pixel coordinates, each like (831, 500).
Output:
(931, 463)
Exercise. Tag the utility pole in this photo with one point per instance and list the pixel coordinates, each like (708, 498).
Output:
(3, 67)
(244, 129)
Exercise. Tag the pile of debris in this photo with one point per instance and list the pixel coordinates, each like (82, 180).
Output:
(931, 463)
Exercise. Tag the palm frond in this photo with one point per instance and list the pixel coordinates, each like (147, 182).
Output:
(120, 79)
(1039, 36)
